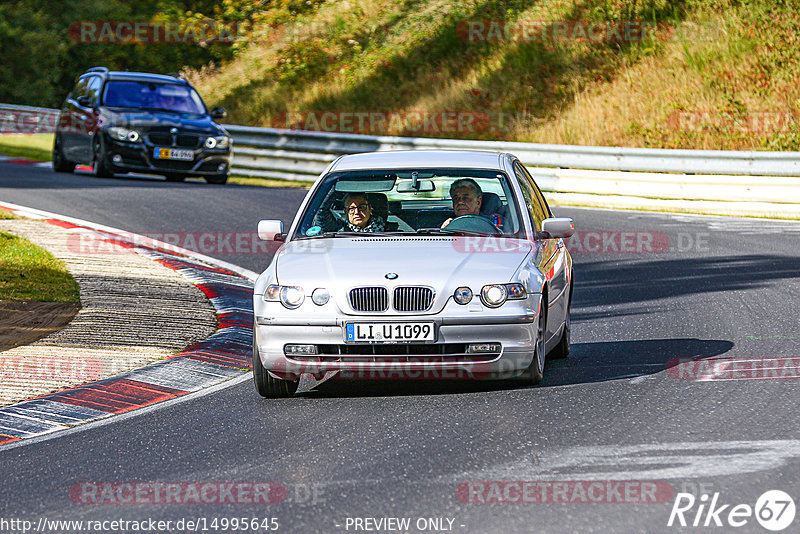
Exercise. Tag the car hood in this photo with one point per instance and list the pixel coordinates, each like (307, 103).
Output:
(146, 120)
(339, 264)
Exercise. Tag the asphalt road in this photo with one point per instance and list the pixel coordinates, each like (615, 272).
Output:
(616, 412)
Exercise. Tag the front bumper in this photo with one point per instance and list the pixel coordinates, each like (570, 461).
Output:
(139, 157)
(512, 327)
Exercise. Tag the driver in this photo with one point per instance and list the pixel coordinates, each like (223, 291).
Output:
(467, 198)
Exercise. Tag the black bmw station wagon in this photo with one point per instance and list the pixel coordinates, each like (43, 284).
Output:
(122, 122)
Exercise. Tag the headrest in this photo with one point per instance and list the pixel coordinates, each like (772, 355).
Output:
(491, 203)
(379, 203)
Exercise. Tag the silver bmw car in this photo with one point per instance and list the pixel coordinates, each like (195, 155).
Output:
(430, 264)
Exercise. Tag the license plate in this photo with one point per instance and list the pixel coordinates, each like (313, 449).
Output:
(388, 332)
(171, 153)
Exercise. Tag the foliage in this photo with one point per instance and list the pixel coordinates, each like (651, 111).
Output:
(42, 58)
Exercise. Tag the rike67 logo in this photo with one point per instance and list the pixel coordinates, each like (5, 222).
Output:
(774, 510)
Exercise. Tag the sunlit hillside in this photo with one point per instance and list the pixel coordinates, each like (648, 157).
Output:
(699, 74)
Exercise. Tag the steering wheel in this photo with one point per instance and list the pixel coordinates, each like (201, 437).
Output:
(473, 223)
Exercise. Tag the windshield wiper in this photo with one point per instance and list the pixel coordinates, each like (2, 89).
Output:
(162, 109)
(445, 231)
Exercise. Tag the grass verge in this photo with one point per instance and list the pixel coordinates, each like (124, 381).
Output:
(5, 214)
(268, 182)
(37, 147)
(28, 272)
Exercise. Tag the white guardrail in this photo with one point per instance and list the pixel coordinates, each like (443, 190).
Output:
(749, 183)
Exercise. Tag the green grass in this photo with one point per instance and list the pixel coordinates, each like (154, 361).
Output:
(28, 272)
(37, 147)
(737, 60)
(268, 182)
(5, 214)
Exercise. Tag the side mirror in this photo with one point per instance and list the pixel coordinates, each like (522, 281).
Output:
(557, 227)
(269, 230)
(84, 101)
(218, 113)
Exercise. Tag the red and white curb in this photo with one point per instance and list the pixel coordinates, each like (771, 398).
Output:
(206, 366)
(25, 161)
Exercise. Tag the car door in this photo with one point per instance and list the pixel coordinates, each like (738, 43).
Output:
(553, 253)
(72, 120)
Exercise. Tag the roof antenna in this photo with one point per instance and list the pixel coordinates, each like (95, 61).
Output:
(415, 180)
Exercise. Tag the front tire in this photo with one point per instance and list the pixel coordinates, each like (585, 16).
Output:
(267, 385)
(99, 165)
(60, 163)
(535, 372)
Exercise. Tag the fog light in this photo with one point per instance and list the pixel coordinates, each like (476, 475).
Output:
(302, 350)
(117, 158)
(483, 348)
(320, 296)
(221, 167)
(462, 295)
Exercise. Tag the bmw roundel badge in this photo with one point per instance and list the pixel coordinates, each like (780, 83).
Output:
(391, 276)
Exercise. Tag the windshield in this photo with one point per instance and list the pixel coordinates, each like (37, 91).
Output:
(164, 97)
(427, 201)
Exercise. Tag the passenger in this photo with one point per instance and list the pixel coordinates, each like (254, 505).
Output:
(360, 217)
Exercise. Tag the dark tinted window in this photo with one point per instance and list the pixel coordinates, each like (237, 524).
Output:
(164, 96)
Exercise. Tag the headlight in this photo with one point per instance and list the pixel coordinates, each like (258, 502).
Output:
(123, 134)
(462, 295)
(222, 141)
(494, 296)
(290, 296)
(320, 296)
